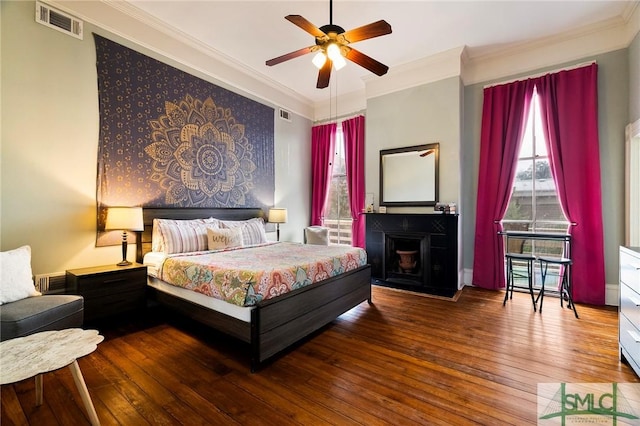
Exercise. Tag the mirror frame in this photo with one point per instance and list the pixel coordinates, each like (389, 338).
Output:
(418, 175)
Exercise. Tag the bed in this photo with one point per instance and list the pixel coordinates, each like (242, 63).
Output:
(271, 325)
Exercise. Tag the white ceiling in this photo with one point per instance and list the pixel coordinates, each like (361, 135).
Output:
(251, 32)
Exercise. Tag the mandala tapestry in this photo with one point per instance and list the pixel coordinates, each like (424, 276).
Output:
(169, 139)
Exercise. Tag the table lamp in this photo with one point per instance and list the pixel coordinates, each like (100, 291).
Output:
(277, 216)
(124, 219)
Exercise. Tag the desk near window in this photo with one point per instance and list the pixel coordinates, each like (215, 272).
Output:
(547, 236)
(562, 260)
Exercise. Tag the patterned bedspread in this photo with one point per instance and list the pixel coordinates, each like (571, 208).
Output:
(247, 275)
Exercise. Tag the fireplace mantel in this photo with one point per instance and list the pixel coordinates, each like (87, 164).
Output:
(433, 238)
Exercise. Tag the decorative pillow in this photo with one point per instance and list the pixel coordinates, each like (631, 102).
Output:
(16, 280)
(318, 235)
(224, 238)
(181, 236)
(252, 230)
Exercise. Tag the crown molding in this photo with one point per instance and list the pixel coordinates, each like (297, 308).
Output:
(134, 25)
(631, 16)
(348, 103)
(590, 40)
(629, 10)
(426, 70)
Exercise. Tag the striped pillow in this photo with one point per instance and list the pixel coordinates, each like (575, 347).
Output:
(252, 230)
(181, 236)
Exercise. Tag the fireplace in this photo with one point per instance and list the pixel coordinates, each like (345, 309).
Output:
(404, 254)
(414, 251)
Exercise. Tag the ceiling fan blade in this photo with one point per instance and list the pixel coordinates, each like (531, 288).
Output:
(305, 25)
(324, 74)
(366, 62)
(375, 29)
(288, 56)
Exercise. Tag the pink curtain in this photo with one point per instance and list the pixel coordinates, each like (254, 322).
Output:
(323, 139)
(569, 108)
(504, 115)
(353, 131)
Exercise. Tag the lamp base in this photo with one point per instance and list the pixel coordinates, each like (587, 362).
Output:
(124, 262)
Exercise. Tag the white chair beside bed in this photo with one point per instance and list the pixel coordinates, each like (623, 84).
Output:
(318, 235)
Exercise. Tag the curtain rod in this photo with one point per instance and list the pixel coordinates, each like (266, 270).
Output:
(340, 117)
(569, 68)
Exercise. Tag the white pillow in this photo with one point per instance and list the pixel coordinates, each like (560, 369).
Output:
(16, 280)
(317, 235)
(253, 231)
(224, 238)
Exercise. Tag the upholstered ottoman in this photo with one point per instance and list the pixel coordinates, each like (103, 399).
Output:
(40, 313)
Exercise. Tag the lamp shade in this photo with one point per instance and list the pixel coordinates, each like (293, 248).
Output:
(278, 215)
(124, 219)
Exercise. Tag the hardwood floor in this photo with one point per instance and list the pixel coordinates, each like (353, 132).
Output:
(406, 359)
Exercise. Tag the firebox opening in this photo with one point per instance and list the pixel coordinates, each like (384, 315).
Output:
(404, 259)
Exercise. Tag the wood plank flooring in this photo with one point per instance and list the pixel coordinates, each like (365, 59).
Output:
(405, 360)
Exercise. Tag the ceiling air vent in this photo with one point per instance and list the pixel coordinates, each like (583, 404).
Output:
(58, 20)
(285, 115)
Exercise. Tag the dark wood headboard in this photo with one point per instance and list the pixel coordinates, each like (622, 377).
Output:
(144, 237)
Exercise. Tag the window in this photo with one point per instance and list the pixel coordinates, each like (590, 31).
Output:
(534, 204)
(337, 215)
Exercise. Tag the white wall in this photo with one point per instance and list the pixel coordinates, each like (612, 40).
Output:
(50, 133)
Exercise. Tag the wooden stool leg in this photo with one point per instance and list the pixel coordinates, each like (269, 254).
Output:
(39, 391)
(84, 392)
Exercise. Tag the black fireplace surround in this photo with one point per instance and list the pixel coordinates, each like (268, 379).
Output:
(427, 242)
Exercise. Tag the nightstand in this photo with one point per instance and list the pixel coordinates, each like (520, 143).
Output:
(110, 289)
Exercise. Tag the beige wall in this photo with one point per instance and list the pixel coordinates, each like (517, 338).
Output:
(50, 138)
(634, 80)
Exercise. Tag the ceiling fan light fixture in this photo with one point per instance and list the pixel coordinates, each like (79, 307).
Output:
(333, 51)
(319, 59)
(339, 62)
(331, 46)
(335, 54)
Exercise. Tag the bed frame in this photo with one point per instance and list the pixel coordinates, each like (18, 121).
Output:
(276, 323)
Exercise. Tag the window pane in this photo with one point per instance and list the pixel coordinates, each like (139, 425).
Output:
(520, 207)
(534, 204)
(339, 167)
(526, 149)
(547, 203)
(338, 204)
(541, 147)
(337, 216)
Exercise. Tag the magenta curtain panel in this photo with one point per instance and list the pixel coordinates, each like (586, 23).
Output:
(569, 108)
(353, 131)
(323, 139)
(504, 114)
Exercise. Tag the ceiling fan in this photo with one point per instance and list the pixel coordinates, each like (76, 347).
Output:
(332, 46)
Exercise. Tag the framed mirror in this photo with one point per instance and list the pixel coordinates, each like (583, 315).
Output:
(409, 175)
